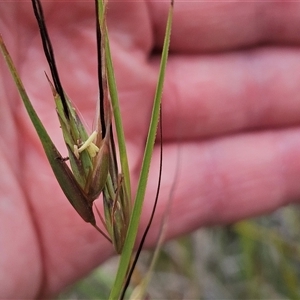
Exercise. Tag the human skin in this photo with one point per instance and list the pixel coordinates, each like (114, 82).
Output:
(231, 113)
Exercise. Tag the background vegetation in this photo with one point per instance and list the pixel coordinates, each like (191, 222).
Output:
(254, 259)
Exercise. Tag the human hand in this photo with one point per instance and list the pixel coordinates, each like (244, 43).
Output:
(230, 114)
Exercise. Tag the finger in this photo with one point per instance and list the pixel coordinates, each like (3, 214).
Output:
(201, 26)
(130, 25)
(228, 179)
(218, 94)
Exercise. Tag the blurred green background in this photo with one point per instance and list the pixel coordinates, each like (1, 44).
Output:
(254, 259)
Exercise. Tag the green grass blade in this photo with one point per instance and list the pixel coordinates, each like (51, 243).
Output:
(135, 218)
(118, 121)
(115, 102)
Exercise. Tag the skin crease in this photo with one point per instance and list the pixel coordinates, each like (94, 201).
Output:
(231, 115)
